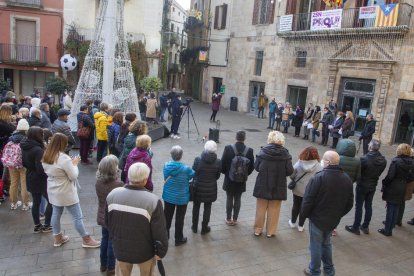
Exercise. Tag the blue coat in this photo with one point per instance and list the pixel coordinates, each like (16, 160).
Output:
(176, 189)
(272, 107)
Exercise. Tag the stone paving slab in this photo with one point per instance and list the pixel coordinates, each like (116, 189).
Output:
(226, 250)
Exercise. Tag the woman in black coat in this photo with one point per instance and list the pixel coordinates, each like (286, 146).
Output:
(394, 185)
(207, 168)
(336, 126)
(348, 124)
(32, 153)
(297, 121)
(274, 164)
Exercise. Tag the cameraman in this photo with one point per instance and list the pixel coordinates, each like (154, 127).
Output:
(177, 107)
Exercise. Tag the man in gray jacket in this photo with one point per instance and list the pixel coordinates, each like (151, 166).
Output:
(61, 126)
(45, 120)
(136, 224)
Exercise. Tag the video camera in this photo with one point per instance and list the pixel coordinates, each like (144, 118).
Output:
(187, 101)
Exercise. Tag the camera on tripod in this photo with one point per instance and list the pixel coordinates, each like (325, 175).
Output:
(187, 101)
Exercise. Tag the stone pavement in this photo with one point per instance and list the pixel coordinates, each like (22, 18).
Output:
(226, 250)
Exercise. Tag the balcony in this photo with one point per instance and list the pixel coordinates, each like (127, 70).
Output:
(23, 54)
(174, 67)
(174, 39)
(37, 4)
(300, 25)
(192, 23)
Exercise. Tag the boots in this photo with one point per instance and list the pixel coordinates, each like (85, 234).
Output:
(205, 230)
(194, 228)
(89, 242)
(60, 239)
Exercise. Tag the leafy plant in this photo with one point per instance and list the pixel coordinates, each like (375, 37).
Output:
(151, 84)
(139, 61)
(56, 85)
(4, 85)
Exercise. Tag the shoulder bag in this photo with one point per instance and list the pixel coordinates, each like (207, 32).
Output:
(292, 184)
(83, 131)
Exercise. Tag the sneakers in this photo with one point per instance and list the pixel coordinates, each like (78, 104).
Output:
(46, 229)
(364, 230)
(42, 217)
(14, 206)
(89, 242)
(60, 239)
(26, 207)
(176, 137)
(205, 230)
(38, 228)
(301, 228)
(291, 224)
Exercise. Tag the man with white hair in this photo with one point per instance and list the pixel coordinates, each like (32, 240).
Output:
(35, 118)
(136, 224)
(207, 171)
(328, 197)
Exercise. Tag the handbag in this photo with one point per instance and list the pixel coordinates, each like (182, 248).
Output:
(292, 184)
(83, 131)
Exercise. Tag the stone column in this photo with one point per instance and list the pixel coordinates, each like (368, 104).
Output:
(333, 71)
(379, 113)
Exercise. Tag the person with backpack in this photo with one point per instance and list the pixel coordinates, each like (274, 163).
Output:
(6, 130)
(12, 159)
(113, 133)
(86, 122)
(274, 164)
(237, 164)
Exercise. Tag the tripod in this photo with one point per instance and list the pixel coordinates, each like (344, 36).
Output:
(189, 111)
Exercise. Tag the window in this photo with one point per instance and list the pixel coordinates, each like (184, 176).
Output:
(301, 58)
(259, 63)
(220, 17)
(263, 12)
(178, 30)
(179, 13)
(172, 27)
(173, 9)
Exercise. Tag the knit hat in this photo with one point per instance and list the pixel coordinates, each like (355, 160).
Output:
(35, 102)
(23, 125)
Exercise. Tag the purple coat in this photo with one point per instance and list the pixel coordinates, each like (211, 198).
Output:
(139, 155)
(216, 102)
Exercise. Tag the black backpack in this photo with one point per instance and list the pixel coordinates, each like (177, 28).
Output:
(239, 168)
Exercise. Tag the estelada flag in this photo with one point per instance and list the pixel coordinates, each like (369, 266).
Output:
(387, 15)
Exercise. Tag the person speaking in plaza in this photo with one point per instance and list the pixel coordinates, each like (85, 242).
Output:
(106, 180)
(304, 169)
(367, 132)
(328, 197)
(372, 165)
(136, 224)
(176, 192)
(207, 169)
(62, 183)
(237, 163)
(298, 120)
(394, 186)
(215, 105)
(274, 164)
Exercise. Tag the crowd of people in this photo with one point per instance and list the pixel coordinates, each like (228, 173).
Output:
(136, 223)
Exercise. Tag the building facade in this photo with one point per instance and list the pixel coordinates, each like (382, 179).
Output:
(142, 22)
(30, 39)
(365, 65)
(177, 41)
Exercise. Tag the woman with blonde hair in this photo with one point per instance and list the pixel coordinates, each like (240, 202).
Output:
(274, 164)
(140, 154)
(394, 186)
(62, 182)
(346, 128)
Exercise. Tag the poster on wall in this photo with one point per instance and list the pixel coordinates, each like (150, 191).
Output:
(367, 12)
(326, 20)
(286, 23)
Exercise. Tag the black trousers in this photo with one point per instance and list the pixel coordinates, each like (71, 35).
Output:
(233, 204)
(206, 213)
(297, 130)
(175, 124)
(102, 150)
(169, 210)
(261, 111)
(325, 134)
(297, 203)
(37, 199)
(365, 143)
(335, 142)
(213, 115)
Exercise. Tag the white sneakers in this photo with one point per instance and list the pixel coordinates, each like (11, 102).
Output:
(301, 228)
(16, 205)
(293, 225)
(175, 136)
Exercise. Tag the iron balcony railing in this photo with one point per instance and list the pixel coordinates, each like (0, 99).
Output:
(174, 67)
(192, 23)
(22, 54)
(25, 3)
(350, 20)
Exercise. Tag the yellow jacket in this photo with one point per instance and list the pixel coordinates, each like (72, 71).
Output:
(101, 124)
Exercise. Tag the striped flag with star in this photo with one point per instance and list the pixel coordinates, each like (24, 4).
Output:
(387, 15)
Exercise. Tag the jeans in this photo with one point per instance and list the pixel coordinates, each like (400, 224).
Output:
(297, 203)
(391, 217)
(365, 143)
(315, 132)
(286, 125)
(84, 149)
(175, 124)
(233, 203)
(107, 253)
(206, 214)
(271, 120)
(325, 134)
(43, 204)
(102, 150)
(321, 250)
(361, 197)
(261, 111)
(37, 199)
(162, 113)
(401, 213)
(169, 210)
(76, 213)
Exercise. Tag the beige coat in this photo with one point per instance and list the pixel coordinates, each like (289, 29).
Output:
(151, 108)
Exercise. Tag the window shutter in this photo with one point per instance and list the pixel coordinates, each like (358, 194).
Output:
(224, 17)
(291, 7)
(359, 3)
(271, 12)
(255, 19)
(216, 18)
